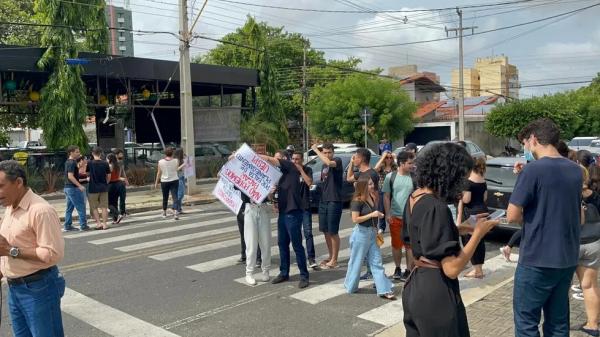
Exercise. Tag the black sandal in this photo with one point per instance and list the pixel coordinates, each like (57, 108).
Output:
(389, 296)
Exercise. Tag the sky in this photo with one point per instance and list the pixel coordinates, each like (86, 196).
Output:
(559, 50)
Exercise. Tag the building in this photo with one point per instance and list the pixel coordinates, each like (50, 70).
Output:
(120, 39)
(421, 87)
(490, 76)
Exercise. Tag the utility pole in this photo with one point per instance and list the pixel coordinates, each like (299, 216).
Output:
(185, 87)
(366, 115)
(305, 137)
(461, 88)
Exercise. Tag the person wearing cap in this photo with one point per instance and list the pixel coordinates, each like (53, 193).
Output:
(411, 147)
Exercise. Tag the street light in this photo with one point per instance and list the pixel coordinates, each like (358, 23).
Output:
(366, 115)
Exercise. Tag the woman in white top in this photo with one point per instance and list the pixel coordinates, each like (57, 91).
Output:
(169, 181)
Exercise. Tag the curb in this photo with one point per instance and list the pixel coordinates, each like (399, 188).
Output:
(131, 189)
(150, 207)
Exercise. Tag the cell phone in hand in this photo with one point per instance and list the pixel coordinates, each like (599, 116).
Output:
(498, 214)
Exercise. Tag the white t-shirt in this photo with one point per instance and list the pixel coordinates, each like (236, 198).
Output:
(168, 169)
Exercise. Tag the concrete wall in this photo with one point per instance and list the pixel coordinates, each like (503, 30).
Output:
(491, 145)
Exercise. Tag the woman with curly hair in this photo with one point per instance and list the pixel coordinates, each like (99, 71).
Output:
(431, 296)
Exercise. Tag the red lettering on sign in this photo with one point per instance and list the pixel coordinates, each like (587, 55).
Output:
(261, 164)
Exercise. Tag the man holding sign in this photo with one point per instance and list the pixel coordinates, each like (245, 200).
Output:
(289, 224)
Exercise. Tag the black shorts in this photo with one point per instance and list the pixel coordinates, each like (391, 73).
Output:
(330, 213)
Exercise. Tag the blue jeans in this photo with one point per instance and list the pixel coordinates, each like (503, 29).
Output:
(289, 230)
(75, 200)
(308, 236)
(35, 306)
(362, 244)
(537, 289)
(180, 193)
(381, 207)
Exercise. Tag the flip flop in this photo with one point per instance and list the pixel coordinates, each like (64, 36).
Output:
(389, 296)
(474, 276)
(323, 263)
(328, 266)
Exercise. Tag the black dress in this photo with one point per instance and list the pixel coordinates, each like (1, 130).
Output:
(431, 301)
(476, 206)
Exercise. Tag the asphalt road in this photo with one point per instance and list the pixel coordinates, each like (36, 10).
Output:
(154, 277)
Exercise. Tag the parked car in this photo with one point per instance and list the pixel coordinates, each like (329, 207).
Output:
(473, 149)
(501, 181)
(582, 143)
(401, 148)
(31, 144)
(595, 147)
(347, 188)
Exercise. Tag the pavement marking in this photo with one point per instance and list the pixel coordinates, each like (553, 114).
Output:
(343, 255)
(228, 261)
(329, 290)
(107, 319)
(152, 232)
(496, 270)
(145, 252)
(220, 309)
(134, 224)
(204, 248)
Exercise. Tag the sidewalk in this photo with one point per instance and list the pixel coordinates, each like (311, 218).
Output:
(489, 307)
(141, 200)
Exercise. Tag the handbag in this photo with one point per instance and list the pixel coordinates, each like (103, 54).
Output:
(379, 237)
(590, 230)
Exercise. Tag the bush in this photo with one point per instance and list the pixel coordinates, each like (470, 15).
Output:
(137, 175)
(51, 179)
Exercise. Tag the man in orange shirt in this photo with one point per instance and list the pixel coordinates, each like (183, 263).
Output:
(31, 244)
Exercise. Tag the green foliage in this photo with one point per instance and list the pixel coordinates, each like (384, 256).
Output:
(575, 112)
(336, 109)
(63, 106)
(20, 11)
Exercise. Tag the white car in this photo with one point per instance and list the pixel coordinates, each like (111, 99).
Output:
(338, 148)
(582, 143)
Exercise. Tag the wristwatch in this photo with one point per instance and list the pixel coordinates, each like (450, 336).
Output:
(14, 252)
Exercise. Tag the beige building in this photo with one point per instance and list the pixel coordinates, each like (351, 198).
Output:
(490, 76)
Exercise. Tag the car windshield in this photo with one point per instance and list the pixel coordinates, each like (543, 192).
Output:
(500, 176)
(595, 144)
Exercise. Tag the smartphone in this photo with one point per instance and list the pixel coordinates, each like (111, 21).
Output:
(497, 214)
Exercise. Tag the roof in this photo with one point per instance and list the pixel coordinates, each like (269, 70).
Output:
(475, 105)
(427, 108)
(21, 59)
(425, 82)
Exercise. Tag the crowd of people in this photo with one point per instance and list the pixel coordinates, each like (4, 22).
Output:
(556, 200)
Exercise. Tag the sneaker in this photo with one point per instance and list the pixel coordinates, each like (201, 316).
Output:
(250, 280)
(303, 284)
(397, 274)
(70, 229)
(312, 263)
(164, 215)
(241, 260)
(83, 229)
(119, 219)
(176, 217)
(258, 263)
(505, 251)
(405, 275)
(264, 277)
(578, 296)
(279, 279)
(366, 276)
(576, 288)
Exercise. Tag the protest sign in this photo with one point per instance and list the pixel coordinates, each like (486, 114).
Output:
(251, 174)
(228, 195)
(190, 168)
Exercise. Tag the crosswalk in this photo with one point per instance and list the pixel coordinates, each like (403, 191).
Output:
(216, 236)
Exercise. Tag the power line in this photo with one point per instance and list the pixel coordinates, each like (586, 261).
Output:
(451, 38)
(363, 11)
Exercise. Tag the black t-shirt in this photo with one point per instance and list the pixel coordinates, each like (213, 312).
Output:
(289, 188)
(374, 176)
(477, 204)
(363, 208)
(431, 229)
(71, 167)
(305, 189)
(97, 171)
(332, 178)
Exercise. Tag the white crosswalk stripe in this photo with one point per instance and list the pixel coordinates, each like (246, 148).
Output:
(198, 224)
(225, 262)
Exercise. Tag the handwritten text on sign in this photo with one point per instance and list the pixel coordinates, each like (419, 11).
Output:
(251, 174)
(228, 195)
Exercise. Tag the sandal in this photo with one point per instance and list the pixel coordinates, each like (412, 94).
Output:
(323, 263)
(329, 266)
(389, 296)
(474, 275)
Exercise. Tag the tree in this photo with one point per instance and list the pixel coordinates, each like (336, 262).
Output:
(19, 12)
(336, 109)
(63, 105)
(575, 112)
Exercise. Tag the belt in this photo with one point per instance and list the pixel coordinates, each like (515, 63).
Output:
(424, 262)
(38, 275)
